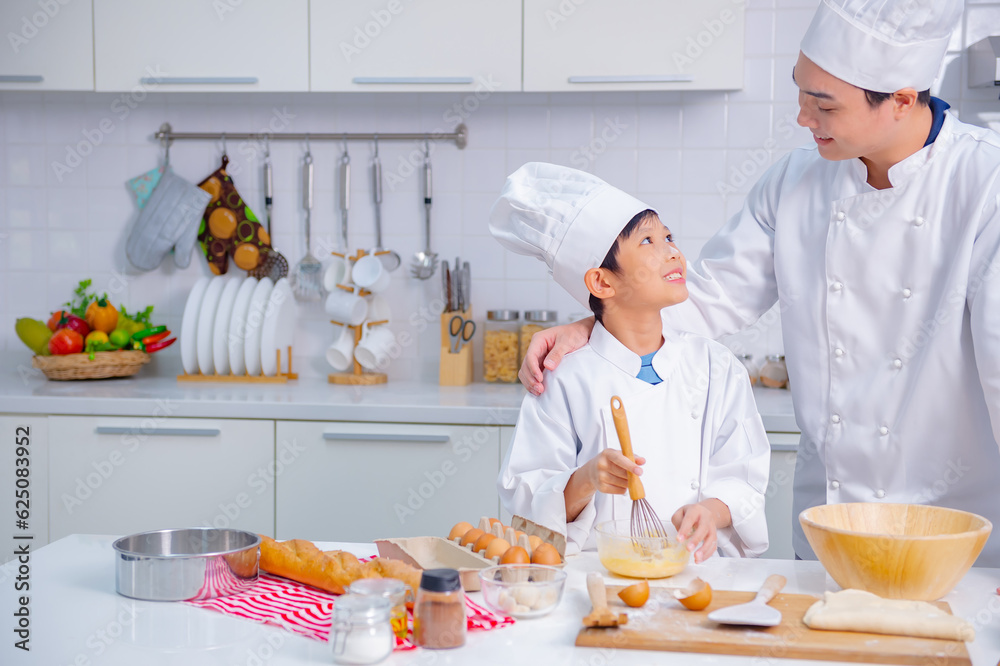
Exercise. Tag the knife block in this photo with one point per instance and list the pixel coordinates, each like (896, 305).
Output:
(455, 369)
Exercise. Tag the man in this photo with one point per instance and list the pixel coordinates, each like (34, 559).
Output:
(881, 244)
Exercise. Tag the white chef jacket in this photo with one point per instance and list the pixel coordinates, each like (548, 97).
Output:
(890, 315)
(698, 429)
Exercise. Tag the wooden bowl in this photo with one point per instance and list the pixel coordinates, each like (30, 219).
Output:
(897, 551)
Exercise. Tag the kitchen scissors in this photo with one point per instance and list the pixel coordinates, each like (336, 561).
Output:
(461, 331)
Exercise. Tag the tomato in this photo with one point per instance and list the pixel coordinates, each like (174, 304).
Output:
(54, 319)
(66, 341)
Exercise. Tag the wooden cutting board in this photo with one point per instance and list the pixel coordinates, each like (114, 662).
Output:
(663, 624)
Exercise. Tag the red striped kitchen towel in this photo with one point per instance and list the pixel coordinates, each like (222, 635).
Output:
(308, 611)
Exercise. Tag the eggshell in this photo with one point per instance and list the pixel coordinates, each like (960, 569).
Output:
(471, 536)
(482, 542)
(635, 595)
(696, 596)
(496, 548)
(459, 530)
(546, 553)
(515, 555)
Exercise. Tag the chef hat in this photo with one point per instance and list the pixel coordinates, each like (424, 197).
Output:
(567, 218)
(882, 45)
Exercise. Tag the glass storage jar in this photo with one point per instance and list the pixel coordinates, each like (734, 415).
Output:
(361, 632)
(396, 591)
(534, 321)
(774, 374)
(500, 346)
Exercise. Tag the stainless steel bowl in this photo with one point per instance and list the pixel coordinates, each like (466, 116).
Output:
(182, 564)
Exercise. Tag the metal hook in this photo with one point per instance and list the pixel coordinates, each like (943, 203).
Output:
(308, 149)
(346, 157)
(376, 145)
(224, 151)
(267, 146)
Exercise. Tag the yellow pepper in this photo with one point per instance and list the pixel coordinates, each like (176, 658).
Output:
(102, 316)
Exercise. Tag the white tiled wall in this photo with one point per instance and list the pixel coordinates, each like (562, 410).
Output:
(673, 150)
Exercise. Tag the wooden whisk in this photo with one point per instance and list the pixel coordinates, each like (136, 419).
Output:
(646, 528)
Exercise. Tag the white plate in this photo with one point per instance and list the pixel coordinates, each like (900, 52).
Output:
(255, 322)
(220, 334)
(189, 326)
(279, 327)
(238, 324)
(206, 323)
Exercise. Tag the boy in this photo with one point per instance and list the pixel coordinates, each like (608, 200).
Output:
(688, 400)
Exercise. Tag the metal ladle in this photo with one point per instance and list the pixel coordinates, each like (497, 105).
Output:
(425, 261)
(389, 258)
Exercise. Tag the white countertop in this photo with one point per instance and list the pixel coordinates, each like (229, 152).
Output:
(24, 390)
(78, 618)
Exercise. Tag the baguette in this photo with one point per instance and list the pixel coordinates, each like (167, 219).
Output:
(332, 571)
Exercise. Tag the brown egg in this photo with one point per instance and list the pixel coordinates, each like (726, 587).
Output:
(696, 596)
(471, 536)
(546, 553)
(535, 542)
(459, 530)
(496, 548)
(494, 521)
(635, 595)
(515, 555)
(482, 542)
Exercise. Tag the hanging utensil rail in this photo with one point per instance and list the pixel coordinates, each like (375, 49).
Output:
(460, 136)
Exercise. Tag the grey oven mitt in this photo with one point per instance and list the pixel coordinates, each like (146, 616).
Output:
(170, 217)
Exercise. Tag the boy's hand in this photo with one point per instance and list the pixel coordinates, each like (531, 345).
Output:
(547, 348)
(608, 471)
(696, 526)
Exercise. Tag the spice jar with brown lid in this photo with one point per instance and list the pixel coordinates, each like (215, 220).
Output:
(439, 611)
(534, 321)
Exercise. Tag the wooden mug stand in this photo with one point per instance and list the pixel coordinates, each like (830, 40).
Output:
(454, 369)
(359, 376)
(280, 378)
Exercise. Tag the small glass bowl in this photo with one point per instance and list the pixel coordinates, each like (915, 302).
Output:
(639, 558)
(522, 590)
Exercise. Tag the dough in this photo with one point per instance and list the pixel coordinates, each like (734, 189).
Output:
(857, 610)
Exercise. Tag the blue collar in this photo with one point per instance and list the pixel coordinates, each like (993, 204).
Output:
(938, 107)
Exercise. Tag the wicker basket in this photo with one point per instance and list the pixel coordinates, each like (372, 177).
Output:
(79, 366)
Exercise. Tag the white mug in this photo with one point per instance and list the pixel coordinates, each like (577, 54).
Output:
(340, 353)
(369, 273)
(346, 307)
(336, 270)
(376, 348)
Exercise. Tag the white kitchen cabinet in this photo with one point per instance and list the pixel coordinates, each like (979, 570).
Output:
(113, 475)
(778, 498)
(633, 45)
(364, 481)
(24, 475)
(50, 45)
(405, 46)
(193, 45)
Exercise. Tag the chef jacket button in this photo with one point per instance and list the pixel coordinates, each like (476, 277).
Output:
(880, 493)
(841, 216)
(694, 485)
(907, 293)
(835, 418)
(837, 286)
(897, 363)
(838, 352)
(694, 414)
(835, 484)
(883, 431)
(918, 221)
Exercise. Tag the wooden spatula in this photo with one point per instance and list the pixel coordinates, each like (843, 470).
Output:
(601, 616)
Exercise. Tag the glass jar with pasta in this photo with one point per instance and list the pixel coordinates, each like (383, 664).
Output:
(534, 321)
(500, 346)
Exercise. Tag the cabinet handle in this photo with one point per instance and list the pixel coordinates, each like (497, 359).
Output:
(208, 80)
(634, 78)
(370, 437)
(21, 78)
(404, 80)
(158, 432)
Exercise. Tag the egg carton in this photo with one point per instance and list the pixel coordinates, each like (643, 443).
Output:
(434, 552)
(517, 534)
